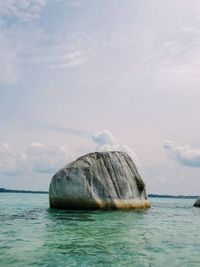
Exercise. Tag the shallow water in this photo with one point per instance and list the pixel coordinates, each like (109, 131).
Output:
(33, 235)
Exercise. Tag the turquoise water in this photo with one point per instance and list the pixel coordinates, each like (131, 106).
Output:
(32, 235)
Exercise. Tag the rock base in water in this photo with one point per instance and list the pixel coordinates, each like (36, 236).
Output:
(79, 204)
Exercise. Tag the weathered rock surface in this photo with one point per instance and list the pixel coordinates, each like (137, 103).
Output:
(197, 202)
(100, 180)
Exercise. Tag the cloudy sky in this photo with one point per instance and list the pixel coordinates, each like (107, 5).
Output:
(83, 75)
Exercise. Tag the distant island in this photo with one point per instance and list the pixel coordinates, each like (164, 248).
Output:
(5, 190)
(171, 196)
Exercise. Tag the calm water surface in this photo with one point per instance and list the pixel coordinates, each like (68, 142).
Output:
(32, 235)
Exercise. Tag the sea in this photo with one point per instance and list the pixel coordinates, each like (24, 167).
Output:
(31, 234)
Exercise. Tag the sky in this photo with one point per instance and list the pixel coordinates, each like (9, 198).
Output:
(78, 76)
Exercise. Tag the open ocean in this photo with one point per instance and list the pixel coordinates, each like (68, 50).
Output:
(33, 235)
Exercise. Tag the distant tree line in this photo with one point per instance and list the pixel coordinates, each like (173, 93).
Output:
(170, 196)
(5, 190)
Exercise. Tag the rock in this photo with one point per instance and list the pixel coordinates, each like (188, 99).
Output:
(100, 180)
(197, 202)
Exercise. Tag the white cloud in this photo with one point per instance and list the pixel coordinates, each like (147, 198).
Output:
(103, 138)
(184, 155)
(47, 159)
(10, 162)
(9, 65)
(23, 10)
(37, 158)
(67, 59)
(14, 39)
(21, 49)
(75, 3)
(105, 141)
(64, 51)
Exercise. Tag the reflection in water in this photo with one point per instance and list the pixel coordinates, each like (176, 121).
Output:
(97, 237)
(69, 215)
(21, 215)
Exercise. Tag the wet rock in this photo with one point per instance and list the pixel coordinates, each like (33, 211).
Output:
(197, 202)
(100, 180)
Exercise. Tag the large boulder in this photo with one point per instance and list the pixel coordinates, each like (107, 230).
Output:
(100, 180)
(197, 202)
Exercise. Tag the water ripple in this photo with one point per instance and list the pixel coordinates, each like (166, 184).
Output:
(33, 235)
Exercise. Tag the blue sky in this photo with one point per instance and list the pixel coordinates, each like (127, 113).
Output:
(79, 76)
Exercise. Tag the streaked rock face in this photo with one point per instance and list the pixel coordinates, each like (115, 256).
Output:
(100, 180)
(197, 203)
